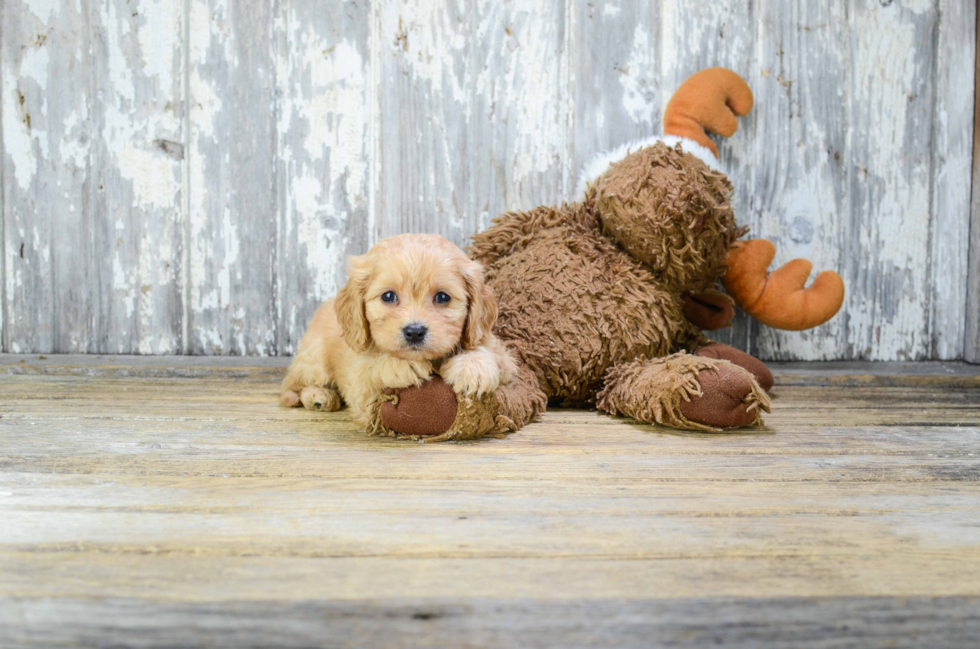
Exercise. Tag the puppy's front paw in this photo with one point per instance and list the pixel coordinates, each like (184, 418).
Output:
(397, 373)
(315, 398)
(472, 373)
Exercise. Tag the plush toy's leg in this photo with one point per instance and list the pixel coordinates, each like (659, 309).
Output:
(521, 400)
(748, 362)
(685, 391)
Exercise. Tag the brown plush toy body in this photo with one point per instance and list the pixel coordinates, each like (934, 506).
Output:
(596, 299)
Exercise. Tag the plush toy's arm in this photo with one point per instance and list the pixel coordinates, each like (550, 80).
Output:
(709, 310)
(779, 299)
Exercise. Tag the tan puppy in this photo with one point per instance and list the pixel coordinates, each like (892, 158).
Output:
(412, 305)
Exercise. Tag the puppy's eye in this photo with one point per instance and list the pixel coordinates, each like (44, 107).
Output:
(442, 298)
(389, 297)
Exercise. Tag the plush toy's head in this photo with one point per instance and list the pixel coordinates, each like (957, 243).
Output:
(668, 209)
(665, 202)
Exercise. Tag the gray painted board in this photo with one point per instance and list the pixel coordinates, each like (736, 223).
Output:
(323, 171)
(972, 349)
(231, 278)
(190, 177)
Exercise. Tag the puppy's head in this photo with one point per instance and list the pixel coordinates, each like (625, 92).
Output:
(416, 297)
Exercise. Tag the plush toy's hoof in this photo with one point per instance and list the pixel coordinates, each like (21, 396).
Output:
(729, 399)
(747, 362)
(425, 411)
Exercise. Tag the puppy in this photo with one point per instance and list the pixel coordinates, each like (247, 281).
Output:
(412, 305)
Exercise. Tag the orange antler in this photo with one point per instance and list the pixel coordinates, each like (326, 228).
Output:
(709, 99)
(779, 299)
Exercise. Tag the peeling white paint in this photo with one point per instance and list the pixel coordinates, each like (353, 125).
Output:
(21, 131)
(142, 180)
(154, 176)
(428, 40)
(72, 148)
(122, 284)
(158, 19)
(324, 143)
(17, 139)
(918, 6)
(335, 112)
(205, 106)
(524, 83)
(34, 64)
(611, 9)
(638, 100)
(45, 10)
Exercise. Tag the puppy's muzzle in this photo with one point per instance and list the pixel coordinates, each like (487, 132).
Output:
(415, 334)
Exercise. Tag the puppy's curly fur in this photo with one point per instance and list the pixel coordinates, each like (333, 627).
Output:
(368, 337)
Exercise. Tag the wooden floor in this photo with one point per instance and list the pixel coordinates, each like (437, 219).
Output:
(172, 502)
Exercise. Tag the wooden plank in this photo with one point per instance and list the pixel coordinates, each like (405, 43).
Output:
(795, 190)
(835, 396)
(486, 519)
(473, 114)
(92, 190)
(887, 245)
(952, 119)
(828, 431)
(233, 226)
(78, 575)
(162, 496)
(971, 349)
(48, 142)
(135, 279)
(950, 373)
(324, 153)
(615, 622)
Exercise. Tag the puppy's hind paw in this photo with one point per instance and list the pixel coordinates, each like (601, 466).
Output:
(316, 398)
(472, 373)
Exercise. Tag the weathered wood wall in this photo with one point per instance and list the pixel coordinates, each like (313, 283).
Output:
(188, 176)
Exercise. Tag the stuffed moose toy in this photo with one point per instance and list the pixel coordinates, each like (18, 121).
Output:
(602, 302)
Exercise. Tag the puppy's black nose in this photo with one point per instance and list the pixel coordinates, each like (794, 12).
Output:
(414, 333)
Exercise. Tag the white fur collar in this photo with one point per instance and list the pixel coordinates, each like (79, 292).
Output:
(598, 165)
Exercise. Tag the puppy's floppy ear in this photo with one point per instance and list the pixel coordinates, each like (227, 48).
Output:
(482, 310)
(350, 305)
